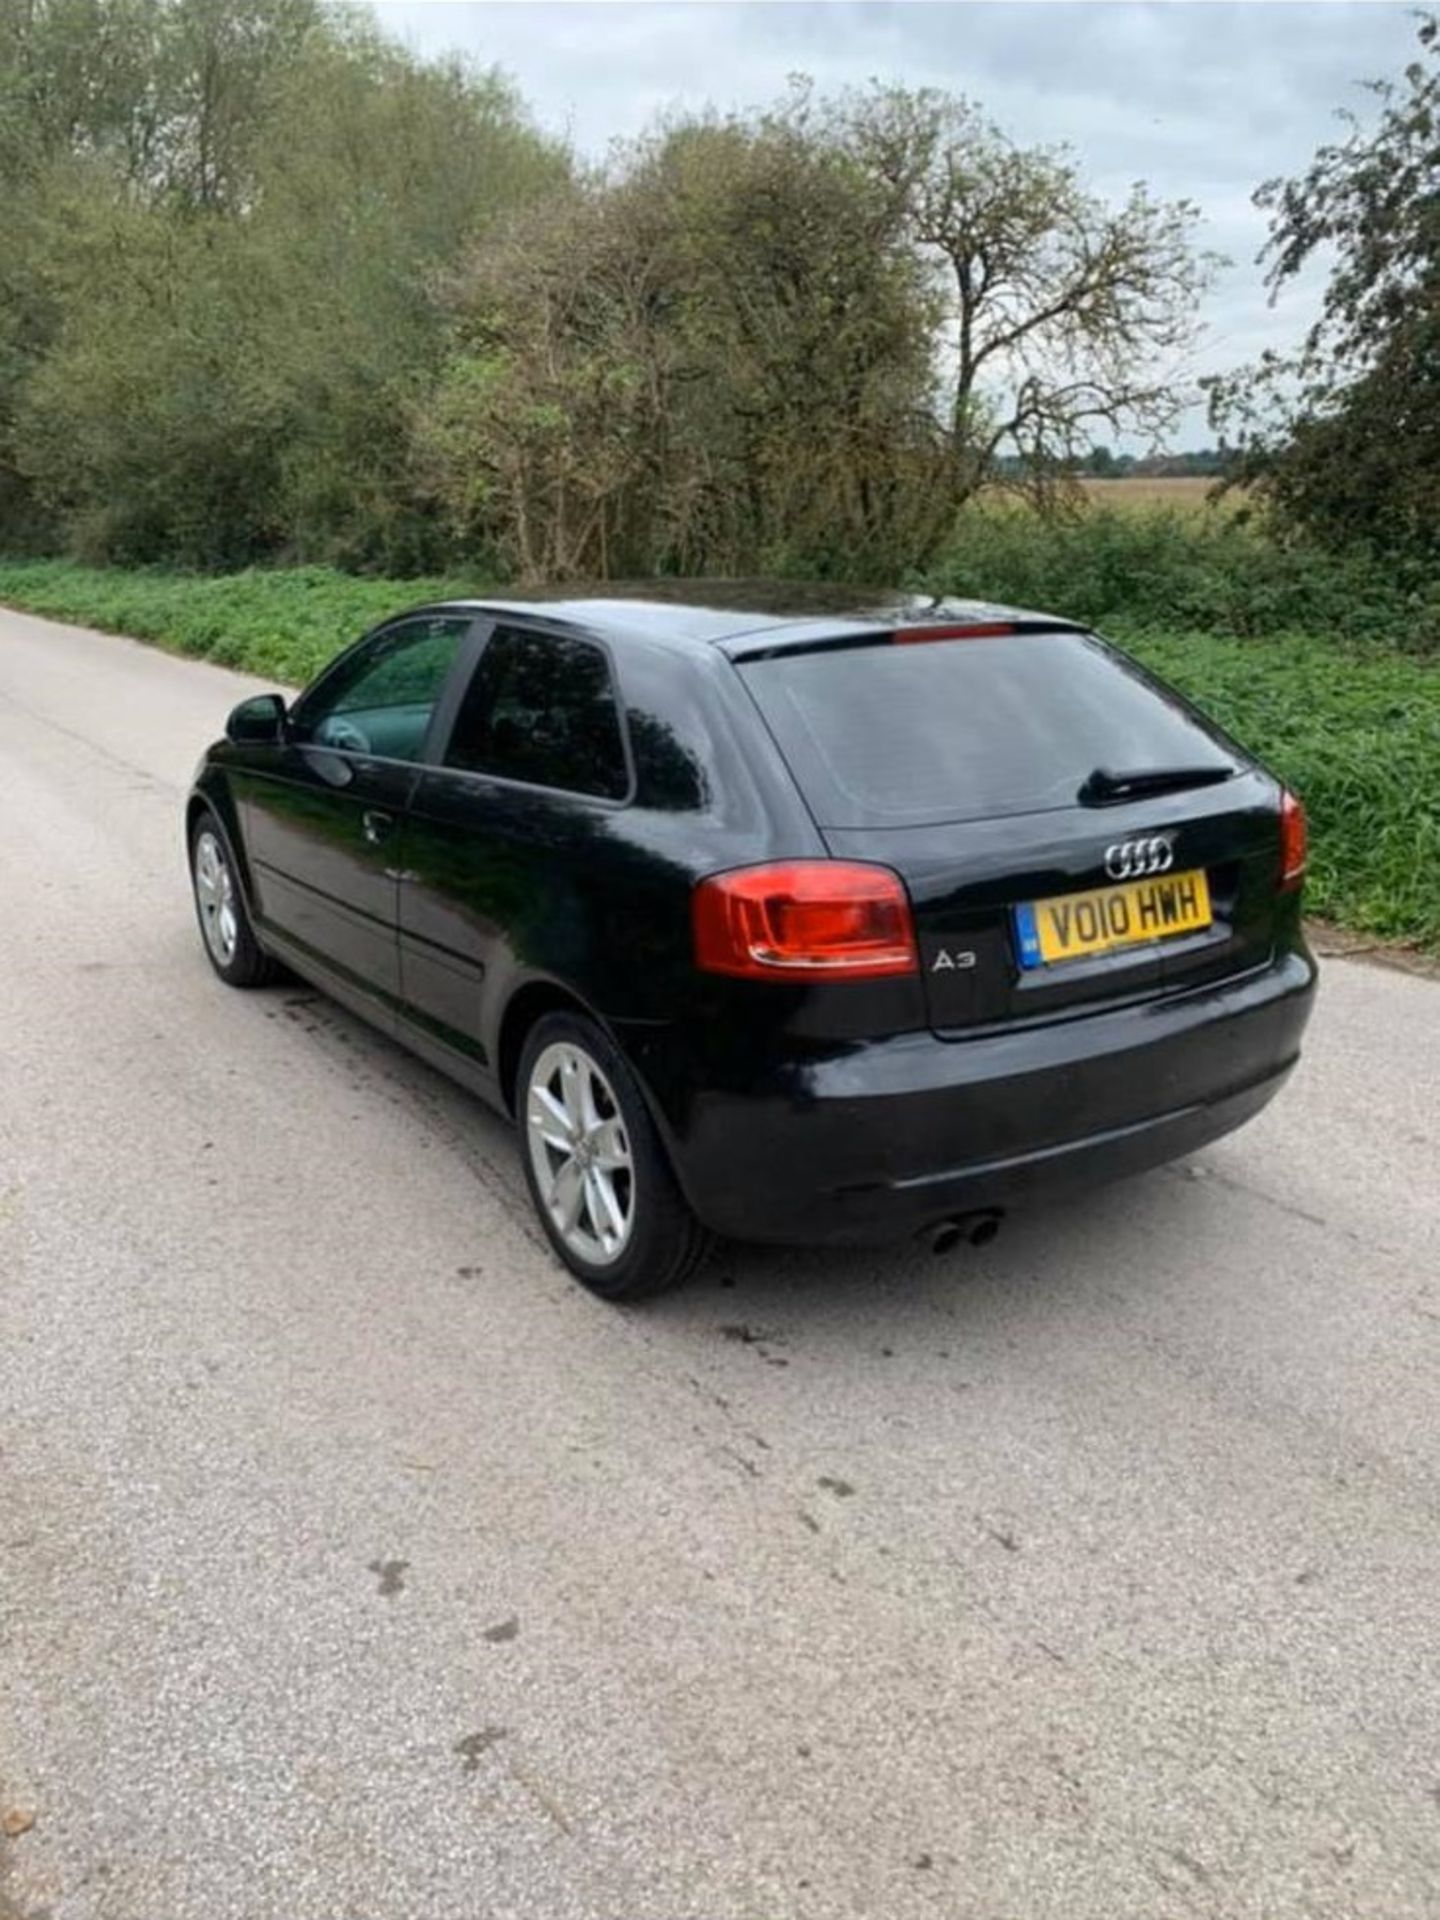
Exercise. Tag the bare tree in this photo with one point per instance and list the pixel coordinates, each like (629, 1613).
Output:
(1065, 315)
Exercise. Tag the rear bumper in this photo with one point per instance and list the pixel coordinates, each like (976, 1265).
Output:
(868, 1142)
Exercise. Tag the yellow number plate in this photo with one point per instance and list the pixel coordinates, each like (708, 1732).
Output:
(1071, 925)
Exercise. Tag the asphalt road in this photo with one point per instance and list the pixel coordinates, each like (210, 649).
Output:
(354, 1565)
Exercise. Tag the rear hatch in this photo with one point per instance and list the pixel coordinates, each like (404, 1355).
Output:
(1071, 833)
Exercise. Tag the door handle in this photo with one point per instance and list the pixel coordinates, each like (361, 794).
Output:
(376, 826)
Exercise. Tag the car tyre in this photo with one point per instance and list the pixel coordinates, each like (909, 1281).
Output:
(225, 929)
(598, 1174)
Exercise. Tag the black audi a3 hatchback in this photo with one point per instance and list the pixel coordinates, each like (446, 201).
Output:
(801, 916)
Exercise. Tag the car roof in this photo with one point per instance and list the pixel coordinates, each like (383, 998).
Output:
(723, 612)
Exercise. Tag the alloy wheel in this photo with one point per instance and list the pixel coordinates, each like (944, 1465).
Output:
(580, 1150)
(215, 896)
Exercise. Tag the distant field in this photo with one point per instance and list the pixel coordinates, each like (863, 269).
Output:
(1148, 494)
(1186, 495)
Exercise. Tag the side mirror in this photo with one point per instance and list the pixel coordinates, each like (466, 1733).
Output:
(257, 723)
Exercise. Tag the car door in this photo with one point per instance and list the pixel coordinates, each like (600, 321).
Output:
(501, 838)
(322, 811)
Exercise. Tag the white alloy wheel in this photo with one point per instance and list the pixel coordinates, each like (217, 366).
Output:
(215, 897)
(580, 1153)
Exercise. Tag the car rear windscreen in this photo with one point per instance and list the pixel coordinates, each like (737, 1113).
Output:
(884, 735)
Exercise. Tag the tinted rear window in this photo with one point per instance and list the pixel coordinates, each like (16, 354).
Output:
(967, 729)
(541, 708)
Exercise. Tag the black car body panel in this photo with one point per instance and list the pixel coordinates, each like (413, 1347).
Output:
(966, 886)
(449, 903)
(875, 1139)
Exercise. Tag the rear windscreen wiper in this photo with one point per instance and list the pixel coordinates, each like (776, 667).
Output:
(1105, 784)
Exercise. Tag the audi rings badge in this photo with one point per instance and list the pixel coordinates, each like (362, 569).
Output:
(1140, 859)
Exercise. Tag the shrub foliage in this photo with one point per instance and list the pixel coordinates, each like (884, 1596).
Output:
(272, 287)
(1343, 437)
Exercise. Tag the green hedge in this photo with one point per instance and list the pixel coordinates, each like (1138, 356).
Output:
(1210, 571)
(1357, 737)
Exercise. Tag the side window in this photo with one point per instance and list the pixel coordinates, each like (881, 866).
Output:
(380, 700)
(542, 709)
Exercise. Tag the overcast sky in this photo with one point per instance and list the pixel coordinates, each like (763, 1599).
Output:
(1200, 98)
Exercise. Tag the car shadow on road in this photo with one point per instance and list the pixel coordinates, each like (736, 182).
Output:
(1089, 1257)
(1046, 1258)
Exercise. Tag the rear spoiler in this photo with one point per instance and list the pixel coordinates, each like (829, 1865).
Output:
(773, 646)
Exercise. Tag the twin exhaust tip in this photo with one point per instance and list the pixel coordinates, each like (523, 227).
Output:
(974, 1229)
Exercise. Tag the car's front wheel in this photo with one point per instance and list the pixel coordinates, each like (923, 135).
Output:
(596, 1168)
(229, 938)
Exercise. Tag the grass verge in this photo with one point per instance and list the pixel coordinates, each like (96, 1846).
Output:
(282, 623)
(1357, 737)
(1355, 731)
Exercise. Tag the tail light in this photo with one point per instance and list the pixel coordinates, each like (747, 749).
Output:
(1293, 840)
(837, 918)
